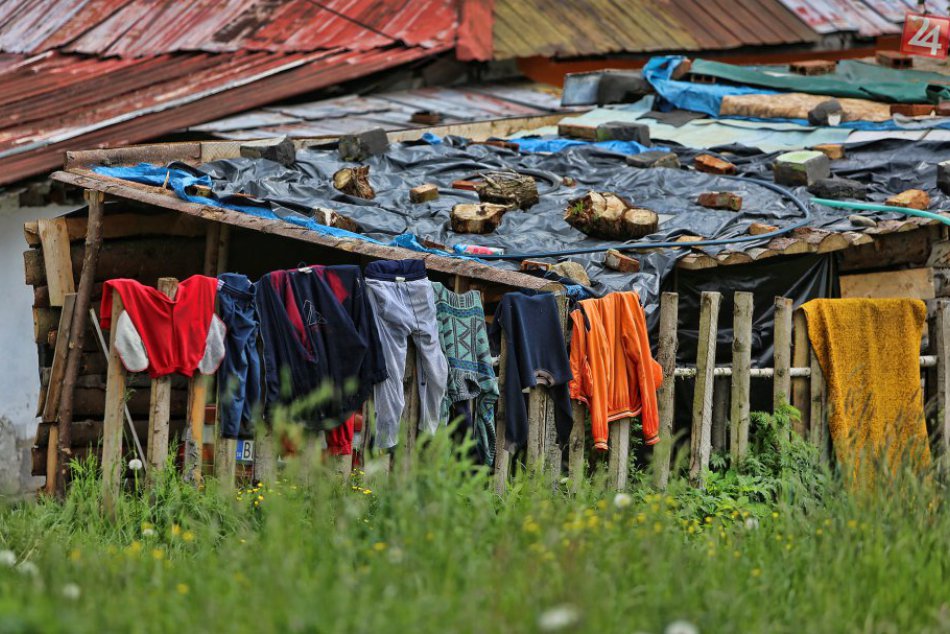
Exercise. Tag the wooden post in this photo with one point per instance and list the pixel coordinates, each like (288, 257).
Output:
(720, 428)
(225, 459)
(537, 404)
(112, 466)
(212, 248)
(217, 245)
(666, 356)
(411, 410)
(819, 423)
(369, 426)
(576, 461)
(54, 390)
(700, 441)
(943, 379)
(52, 457)
(781, 384)
(502, 459)
(265, 455)
(551, 448)
(77, 333)
(195, 427)
(54, 236)
(160, 405)
(800, 396)
(741, 363)
(619, 457)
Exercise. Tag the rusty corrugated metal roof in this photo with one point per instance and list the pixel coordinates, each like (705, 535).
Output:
(868, 18)
(526, 28)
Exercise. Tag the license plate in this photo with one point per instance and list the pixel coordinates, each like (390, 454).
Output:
(245, 451)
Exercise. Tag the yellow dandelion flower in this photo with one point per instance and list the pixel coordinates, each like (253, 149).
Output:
(819, 532)
(774, 513)
(827, 522)
(158, 554)
(188, 536)
(852, 524)
(379, 546)
(709, 519)
(736, 554)
(75, 555)
(602, 504)
(367, 491)
(260, 498)
(134, 548)
(176, 530)
(691, 529)
(657, 527)
(182, 588)
(755, 572)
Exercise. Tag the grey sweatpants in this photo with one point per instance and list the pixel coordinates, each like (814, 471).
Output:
(404, 309)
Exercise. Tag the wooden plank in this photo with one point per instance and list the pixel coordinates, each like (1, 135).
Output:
(58, 368)
(720, 426)
(212, 246)
(195, 426)
(56, 257)
(700, 440)
(126, 225)
(943, 381)
(577, 458)
(113, 417)
(781, 380)
(741, 363)
(666, 356)
(910, 248)
(818, 430)
(502, 459)
(160, 405)
(914, 283)
(96, 201)
(618, 464)
(800, 396)
(52, 458)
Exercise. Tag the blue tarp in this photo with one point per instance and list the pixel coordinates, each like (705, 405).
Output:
(556, 144)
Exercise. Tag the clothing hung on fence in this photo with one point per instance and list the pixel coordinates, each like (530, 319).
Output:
(869, 353)
(340, 438)
(537, 355)
(404, 304)
(312, 342)
(615, 374)
(464, 340)
(164, 335)
(239, 379)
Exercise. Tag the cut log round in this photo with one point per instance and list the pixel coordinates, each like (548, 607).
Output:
(354, 181)
(508, 188)
(609, 216)
(480, 218)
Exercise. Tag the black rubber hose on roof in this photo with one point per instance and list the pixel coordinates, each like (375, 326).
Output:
(646, 244)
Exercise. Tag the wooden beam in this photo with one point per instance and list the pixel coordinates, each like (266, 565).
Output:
(741, 363)
(159, 405)
(125, 225)
(56, 256)
(915, 283)
(700, 441)
(113, 417)
(666, 356)
(781, 380)
(58, 368)
(800, 396)
(77, 333)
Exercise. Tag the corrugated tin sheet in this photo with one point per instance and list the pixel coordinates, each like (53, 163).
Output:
(525, 28)
(868, 18)
(391, 111)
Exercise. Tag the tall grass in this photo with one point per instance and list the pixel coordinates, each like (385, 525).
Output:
(775, 546)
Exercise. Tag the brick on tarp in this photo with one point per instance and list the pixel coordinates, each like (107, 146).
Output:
(280, 150)
(911, 199)
(803, 167)
(813, 67)
(838, 188)
(721, 200)
(943, 109)
(893, 59)
(624, 131)
(360, 146)
(759, 228)
(619, 262)
(424, 193)
(912, 109)
(653, 158)
(943, 176)
(833, 151)
(577, 130)
(712, 165)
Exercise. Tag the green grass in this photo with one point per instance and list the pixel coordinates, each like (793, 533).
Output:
(778, 547)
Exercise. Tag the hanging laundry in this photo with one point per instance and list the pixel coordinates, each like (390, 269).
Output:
(311, 341)
(340, 438)
(164, 335)
(405, 307)
(464, 341)
(869, 352)
(615, 374)
(239, 379)
(537, 355)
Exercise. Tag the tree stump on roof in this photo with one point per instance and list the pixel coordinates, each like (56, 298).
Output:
(610, 217)
(480, 218)
(354, 181)
(508, 188)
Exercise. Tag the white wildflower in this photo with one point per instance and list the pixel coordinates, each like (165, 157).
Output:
(559, 618)
(623, 500)
(135, 464)
(751, 523)
(70, 591)
(396, 556)
(148, 532)
(681, 627)
(7, 558)
(28, 568)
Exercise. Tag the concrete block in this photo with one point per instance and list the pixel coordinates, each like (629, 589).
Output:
(359, 147)
(721, 200)
(838, 188)
(622, 86)
(943, 176)
(813, 67)
(826, 113)
(801, 168)
(653, 158)
(424, 193)
(624, 131)
(912, 109)
(911, 199)
(619, 262)
(278, 150)
(893, 59)
(712, 165)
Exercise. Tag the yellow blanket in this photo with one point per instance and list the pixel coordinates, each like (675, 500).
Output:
(869, 352)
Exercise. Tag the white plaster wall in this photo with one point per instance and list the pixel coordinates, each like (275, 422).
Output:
(19, 369)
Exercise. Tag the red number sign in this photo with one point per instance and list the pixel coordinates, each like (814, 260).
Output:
(926, 35)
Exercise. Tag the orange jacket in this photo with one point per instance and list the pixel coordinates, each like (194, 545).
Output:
(614, 372)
